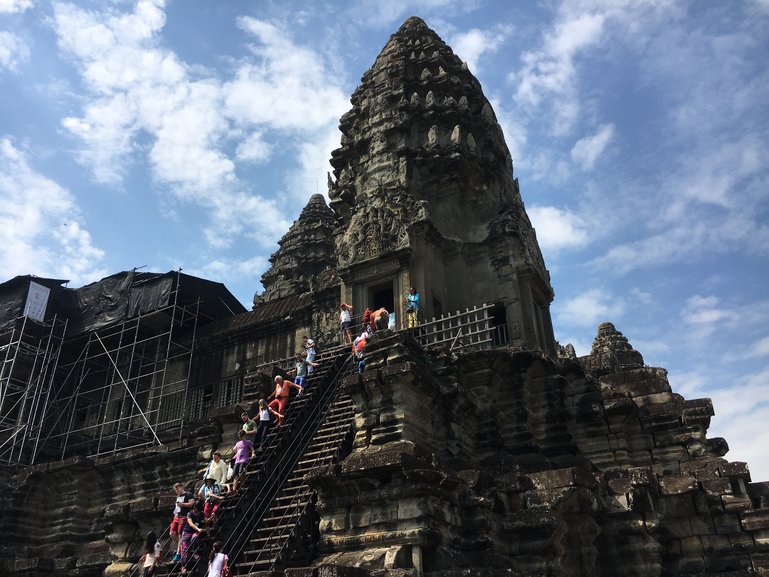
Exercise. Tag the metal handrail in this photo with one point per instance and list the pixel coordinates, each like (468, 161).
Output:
(318, 461)
(290, 455)
(305, 434)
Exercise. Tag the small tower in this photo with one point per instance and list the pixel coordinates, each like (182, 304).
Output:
(425, 196)
(306, 250)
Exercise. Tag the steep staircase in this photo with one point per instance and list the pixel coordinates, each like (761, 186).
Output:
(286, 532)
(270, 522)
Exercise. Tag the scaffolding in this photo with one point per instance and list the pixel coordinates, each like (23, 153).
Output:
(127, 387)
(112, 375)
(29, 352)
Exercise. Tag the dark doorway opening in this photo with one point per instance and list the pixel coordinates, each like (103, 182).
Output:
(499, 323)
(381, 295)
(437, 308)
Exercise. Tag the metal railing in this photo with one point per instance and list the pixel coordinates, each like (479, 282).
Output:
(470, 329)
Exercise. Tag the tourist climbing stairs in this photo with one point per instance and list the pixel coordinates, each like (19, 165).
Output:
(263, 523)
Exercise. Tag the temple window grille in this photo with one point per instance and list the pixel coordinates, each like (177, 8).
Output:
(229, 391)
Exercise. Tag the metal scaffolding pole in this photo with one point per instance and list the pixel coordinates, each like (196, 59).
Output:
(128, 389)
(26, 377)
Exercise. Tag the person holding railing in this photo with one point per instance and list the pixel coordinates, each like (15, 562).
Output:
(182, 506)
(263, 427)
(308, 345)
(212, 494)
(302, 369)
(279, 404)
(244, 450)
(191, 531)
(249, 425)
(359, 352)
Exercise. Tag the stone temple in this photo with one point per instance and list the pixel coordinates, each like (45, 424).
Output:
(471, 445)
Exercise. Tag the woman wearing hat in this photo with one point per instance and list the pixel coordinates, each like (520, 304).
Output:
(212, 493)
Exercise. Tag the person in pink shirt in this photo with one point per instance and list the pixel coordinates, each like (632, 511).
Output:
(244, 450)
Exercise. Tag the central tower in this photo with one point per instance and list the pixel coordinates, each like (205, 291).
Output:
(424, 194)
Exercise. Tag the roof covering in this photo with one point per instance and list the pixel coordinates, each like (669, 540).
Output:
(262, 315)
(121, 296)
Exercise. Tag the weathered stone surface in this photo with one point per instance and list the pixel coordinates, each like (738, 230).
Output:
(677, 484)
(519, 461)
(306, 251)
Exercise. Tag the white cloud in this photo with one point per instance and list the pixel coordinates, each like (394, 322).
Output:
(296, 95)
(689, 238)
(589, 308)
(704, 316)
(557, 229)
(755, 350)
(651, 348)
(11, 6)
(225, 270)
(747, 437)
(244, 215)
(587, 150)
(288, 87)
(253, 148)
(720, 173)
(551, 73)
(701, 310)
(549, 76)
(760, 348)
(13, 50)
(471, 45)
(41, 228)
(193, 126)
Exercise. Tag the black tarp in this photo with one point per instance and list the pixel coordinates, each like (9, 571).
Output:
(97, 304)
(118, 297)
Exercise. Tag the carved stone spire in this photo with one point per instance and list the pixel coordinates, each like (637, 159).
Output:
(422, 133)
(612, 351)
(306, 250)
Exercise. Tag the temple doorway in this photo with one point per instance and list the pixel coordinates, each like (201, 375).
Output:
(381, 295)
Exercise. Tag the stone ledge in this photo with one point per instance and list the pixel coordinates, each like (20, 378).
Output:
(556, 478)
(755, 520)
(426, 536)
(677, 484)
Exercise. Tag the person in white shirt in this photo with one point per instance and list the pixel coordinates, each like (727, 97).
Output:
(217, 560)
(152, 554)
(309, 345)
(345, 322)
(217, 469)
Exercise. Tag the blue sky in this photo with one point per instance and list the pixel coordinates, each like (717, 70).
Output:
(190, 134)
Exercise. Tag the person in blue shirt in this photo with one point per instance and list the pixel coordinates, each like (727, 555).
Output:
(212, 493)
(412, 307)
